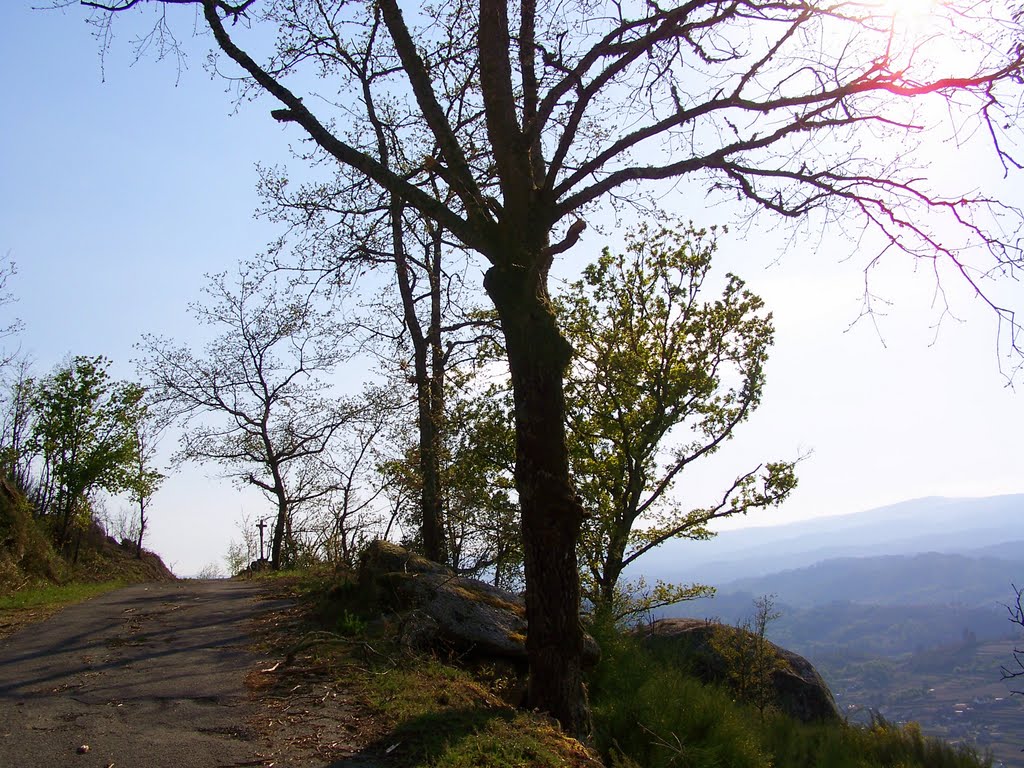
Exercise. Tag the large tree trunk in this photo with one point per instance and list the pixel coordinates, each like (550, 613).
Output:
(279, 531)
(538, 356)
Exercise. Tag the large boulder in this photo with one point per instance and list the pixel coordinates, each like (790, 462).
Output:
(797, 688)
(439, 609)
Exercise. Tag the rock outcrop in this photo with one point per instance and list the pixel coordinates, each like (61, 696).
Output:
(440, 609)
(798, 689)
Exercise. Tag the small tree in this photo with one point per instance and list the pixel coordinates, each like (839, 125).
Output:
(661, 377)
(750, 658)
(142, 479)
(83, 432)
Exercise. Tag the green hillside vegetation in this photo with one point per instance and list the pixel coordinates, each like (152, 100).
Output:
(456, 713)
(69, 439)
(35, 577)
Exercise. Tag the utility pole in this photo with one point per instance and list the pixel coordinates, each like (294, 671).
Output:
(261, 525)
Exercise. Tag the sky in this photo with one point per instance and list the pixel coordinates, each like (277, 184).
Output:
(122, 185)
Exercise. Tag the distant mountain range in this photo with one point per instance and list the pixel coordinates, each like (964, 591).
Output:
(930, 578)
(982, 527)
(920, 574)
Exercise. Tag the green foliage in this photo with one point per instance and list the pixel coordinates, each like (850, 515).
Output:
(654, 715)
(349, 624)
(661, 378)
(84, 432)
(750, 658)
(26, 555)
(477, 458)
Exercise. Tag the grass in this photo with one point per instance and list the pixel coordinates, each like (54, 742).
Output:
(55, 596)
(447, 717)
(422, 710)
(37, 602)
(653, 715)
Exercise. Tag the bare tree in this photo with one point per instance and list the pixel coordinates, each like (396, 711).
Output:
(256, 396)
(16, 424)
(425, 318)
(142, 479)
(8, 269)
(528, 116)
(343, 522)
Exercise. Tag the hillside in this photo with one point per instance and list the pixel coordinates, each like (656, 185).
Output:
(28, 560)
(426, 699)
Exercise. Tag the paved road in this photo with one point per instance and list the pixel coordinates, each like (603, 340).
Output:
(148, 676)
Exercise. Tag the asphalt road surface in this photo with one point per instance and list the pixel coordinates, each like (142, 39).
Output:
(148, 676)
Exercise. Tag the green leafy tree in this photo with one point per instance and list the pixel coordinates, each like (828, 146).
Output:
(479, 510)
(83, 432)
(661, 377)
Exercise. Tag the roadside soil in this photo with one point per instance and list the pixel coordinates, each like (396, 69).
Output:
(182, 674)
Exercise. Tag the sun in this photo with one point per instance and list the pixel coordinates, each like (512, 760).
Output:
(908, 15)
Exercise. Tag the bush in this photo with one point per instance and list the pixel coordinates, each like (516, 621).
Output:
(651, 714)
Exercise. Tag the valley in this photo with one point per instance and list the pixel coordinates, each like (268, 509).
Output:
(953, 693)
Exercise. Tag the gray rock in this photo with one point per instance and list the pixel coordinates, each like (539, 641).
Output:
(437, 608)
(799, 690)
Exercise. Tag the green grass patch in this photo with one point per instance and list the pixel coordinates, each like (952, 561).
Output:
(446, 717)
(55, 596)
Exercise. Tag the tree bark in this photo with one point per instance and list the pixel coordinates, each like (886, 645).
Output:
(279, 529)
(552, 515)
(142, 528)
(429, 389)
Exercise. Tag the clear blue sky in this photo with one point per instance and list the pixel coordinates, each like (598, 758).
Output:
(116, 197)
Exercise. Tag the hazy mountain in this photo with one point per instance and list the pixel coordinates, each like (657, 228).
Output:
(930, 578)
(935, 524)
(859, 631)
(876, 606)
